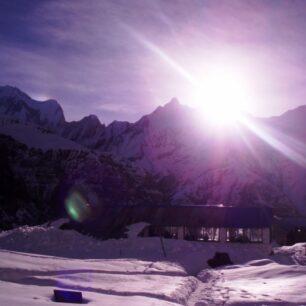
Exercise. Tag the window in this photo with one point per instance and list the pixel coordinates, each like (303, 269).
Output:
(170, 232)
(201, 233)
(244, 235)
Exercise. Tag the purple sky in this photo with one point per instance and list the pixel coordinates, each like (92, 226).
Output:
(93, 56)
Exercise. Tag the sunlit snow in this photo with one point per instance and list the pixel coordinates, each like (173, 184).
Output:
(133, 271)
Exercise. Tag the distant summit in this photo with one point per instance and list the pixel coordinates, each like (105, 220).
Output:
(12, 92)
(174, 102)
(16, 104)
(293, 120)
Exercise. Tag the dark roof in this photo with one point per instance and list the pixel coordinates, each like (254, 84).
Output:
(189, 215)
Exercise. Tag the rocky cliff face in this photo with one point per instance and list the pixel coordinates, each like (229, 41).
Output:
(176, 156)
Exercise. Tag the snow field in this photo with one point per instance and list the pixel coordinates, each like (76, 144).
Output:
(133, 271)
(119, 277)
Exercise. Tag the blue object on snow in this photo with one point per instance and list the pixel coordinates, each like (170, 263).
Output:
(66, 296)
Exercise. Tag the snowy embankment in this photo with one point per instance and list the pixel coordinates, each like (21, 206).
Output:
(28, 275)
(297, 252)
(100, 280)
(34, 137)
(134, 271)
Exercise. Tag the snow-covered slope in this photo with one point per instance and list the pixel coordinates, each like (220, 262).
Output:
(234, 166)
(134, 272)
(86, 131)
(258, 282)
(296, 251)
(36, 137)
(16, 104)
(259, 163)
(292, 121)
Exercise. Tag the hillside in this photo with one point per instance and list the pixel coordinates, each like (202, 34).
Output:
(176, 154)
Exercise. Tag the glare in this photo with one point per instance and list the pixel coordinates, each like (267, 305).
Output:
(40, 97)
(221, 95)
(286, 145)
(161, 54)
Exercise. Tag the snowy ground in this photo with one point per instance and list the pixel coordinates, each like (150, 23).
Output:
(36, 260)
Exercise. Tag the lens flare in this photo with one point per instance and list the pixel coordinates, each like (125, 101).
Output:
(220, 89)
(77, 207)
(286, 145)
(162, 54)
(221, 94)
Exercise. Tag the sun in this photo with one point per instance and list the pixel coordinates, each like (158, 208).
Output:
(221, 95)
(219, 87)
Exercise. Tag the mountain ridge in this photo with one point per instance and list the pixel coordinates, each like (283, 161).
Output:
(11, 91)
(203, 165)
(17, 104)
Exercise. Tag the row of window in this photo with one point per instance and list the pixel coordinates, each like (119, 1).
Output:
(209, 234)
(244, 235)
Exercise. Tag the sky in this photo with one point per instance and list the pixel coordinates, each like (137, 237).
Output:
(121, 59)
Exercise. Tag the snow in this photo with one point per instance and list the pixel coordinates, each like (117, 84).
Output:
(113, 277)
(269, 282)
(20, 295)
(113, 281)
(133, 271)
(296, 251)
(254, 283)
(35, 137)
(135, 229)
(50, 112)
(219, 166)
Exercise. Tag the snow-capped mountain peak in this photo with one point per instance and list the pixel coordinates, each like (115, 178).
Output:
(12, 92)
(202, 165)
(16, 104)
(174, 102)
(293, 120)
(92, 119)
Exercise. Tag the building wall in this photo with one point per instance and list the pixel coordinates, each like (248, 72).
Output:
(145, 232)
(180, 232)
(266, 236)
(222, 234)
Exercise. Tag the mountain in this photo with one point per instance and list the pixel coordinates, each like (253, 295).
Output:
(234, 167)
(177, 156)
(86, 131)
(16, 104)
(35, 182)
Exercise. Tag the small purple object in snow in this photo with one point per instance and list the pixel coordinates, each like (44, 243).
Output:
(66, 296)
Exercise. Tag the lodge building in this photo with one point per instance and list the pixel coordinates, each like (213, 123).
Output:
(201, 223)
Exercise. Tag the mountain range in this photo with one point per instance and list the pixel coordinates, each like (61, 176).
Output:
(172, 156)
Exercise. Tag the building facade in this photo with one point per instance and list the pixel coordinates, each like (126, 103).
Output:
(211, 224)
(210, 234)
(201, 223)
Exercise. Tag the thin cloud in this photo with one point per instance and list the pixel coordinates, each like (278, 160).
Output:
(78, 53)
